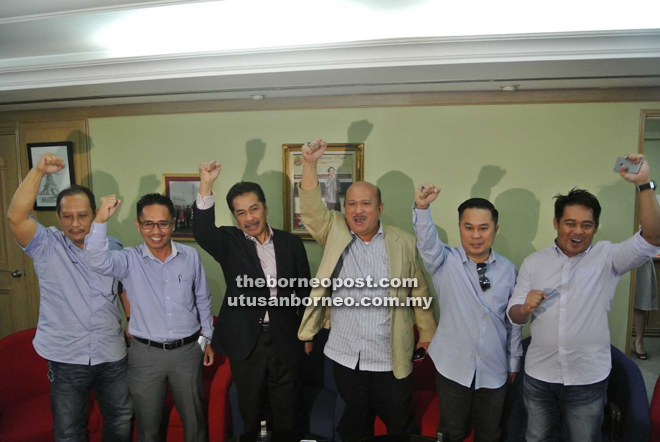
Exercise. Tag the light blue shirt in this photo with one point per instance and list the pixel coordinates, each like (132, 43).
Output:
(362, 333)
(79, 319)
(474, 338)
(570, 333)
(169, 300)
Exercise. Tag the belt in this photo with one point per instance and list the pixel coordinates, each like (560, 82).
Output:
(172, 345)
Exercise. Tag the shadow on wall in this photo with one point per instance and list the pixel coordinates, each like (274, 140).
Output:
(270, 181)
(519, 212)
(122, 224)
(616, 198)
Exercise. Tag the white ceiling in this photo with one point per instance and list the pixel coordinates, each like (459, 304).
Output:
(51, 54)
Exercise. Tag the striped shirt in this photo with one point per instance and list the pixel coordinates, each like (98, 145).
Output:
(362, 334)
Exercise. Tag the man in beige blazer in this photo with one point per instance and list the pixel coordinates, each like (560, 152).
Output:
(371, 347)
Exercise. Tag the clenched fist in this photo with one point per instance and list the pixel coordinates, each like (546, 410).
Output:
(425, 194)
(313, 150)
(109, 205)
(50, 163)
(209, 171)
(534, 299)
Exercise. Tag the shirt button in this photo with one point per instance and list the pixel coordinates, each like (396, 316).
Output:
(170, 314)
(167, 297)
(167, 280)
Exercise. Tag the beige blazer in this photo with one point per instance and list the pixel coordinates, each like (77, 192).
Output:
(329, 229)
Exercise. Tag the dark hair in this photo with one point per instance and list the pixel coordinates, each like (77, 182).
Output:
(241, 188)
(151, 199)
(331, 168)
(577, 197)
(479, 203)
(75, 190)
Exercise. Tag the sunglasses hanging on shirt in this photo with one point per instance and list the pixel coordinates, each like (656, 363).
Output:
(484, 282)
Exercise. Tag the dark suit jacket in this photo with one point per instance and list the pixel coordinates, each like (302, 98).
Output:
(238, 328)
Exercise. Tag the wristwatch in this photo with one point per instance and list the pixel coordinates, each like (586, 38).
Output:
(643, 187)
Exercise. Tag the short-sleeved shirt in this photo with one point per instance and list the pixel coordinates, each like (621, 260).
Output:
(79, 317)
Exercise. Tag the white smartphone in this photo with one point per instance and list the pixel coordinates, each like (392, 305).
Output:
(625, 162)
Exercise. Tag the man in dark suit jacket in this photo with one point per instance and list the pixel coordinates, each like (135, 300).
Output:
(259, 339)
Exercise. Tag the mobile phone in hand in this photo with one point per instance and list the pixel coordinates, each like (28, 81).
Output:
(625, 162)
(419, 354)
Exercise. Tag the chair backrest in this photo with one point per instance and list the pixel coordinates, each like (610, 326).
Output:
(626, 389)
(23, 373)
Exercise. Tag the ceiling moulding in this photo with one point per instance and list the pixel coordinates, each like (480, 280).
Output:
(342, 102)
(51, 9)
(94, 68)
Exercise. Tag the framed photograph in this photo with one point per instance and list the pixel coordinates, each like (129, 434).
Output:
(183, 190)
(53, 183)
(340, 166)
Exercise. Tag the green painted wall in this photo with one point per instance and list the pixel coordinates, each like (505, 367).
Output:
(519, 156)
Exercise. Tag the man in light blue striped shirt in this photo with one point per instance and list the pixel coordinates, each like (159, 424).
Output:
(475, 348)
(170, 302)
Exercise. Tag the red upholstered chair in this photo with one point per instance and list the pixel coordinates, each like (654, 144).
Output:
(217, 379)
(655, 414)
(25, 393)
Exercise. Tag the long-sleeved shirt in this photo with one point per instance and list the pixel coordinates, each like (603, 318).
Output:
(170, 300)
(570, 334)
(79, 319)
(474, 338)
(362, 334)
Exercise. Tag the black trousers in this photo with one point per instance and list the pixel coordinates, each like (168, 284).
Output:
(368, 394)
(458, 403)
(264, 381)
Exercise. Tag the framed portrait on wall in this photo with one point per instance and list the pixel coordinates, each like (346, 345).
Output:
(340, 166)
(52, 184)
(182, 190)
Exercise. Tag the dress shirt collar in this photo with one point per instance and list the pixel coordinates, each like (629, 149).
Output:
(268, 240)
(147, 253)
(464, 257)
(380, 232)
(560, 252)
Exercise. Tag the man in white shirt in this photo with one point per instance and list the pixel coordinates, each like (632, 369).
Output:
(567, 290)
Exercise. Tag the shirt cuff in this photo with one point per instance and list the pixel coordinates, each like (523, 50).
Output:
(514, 365)
(205, 202)
(645, 246)
(422, 215)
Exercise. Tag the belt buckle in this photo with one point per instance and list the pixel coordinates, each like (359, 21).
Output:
(164, 346)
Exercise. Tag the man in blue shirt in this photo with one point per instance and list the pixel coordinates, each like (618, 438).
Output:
(79, 330)
(169, 303)
(475, 348)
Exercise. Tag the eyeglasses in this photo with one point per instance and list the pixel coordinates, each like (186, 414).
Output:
(484, 282)
(162, 225)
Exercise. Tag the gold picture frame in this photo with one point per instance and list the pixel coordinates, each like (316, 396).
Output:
(182, 189)
(347, 160)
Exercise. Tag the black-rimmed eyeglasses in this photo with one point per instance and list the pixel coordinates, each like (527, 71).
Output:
(162, 225)
(484, 282)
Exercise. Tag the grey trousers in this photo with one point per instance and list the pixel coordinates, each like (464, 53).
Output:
(150, 372)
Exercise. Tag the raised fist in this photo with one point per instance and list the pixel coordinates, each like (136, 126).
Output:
(109, 205)
(209, 171)
(641, 177)
(313, 150)
(534, 299)
(425, 194)
(50, 163)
